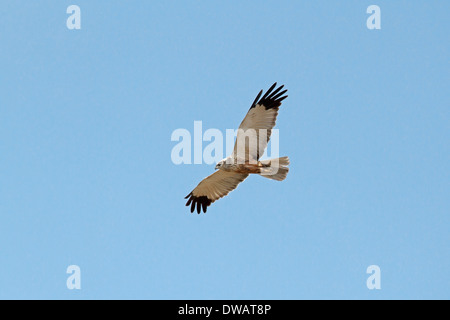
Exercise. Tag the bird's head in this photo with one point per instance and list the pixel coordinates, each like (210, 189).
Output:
(220, 164)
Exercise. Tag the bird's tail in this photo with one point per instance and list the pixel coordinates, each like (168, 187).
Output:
(275, 169)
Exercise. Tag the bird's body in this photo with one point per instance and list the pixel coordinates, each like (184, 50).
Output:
(229, 164)
(251, 141)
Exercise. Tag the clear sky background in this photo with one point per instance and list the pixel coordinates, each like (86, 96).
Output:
(86, 176)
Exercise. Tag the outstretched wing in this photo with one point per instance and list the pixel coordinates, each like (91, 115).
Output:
(256, 128)
(214, 187)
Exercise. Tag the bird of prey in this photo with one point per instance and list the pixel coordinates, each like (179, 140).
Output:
(251, 141)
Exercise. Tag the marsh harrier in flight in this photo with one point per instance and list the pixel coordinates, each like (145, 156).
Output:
(251, 141)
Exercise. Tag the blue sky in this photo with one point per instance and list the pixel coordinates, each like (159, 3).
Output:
(86, 175)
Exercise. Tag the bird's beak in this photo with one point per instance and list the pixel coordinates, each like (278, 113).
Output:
(217, 166)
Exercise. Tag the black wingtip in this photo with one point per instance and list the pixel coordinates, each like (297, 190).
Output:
(270, 100)
(198, 203)
(269, 91)
(257, 98)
